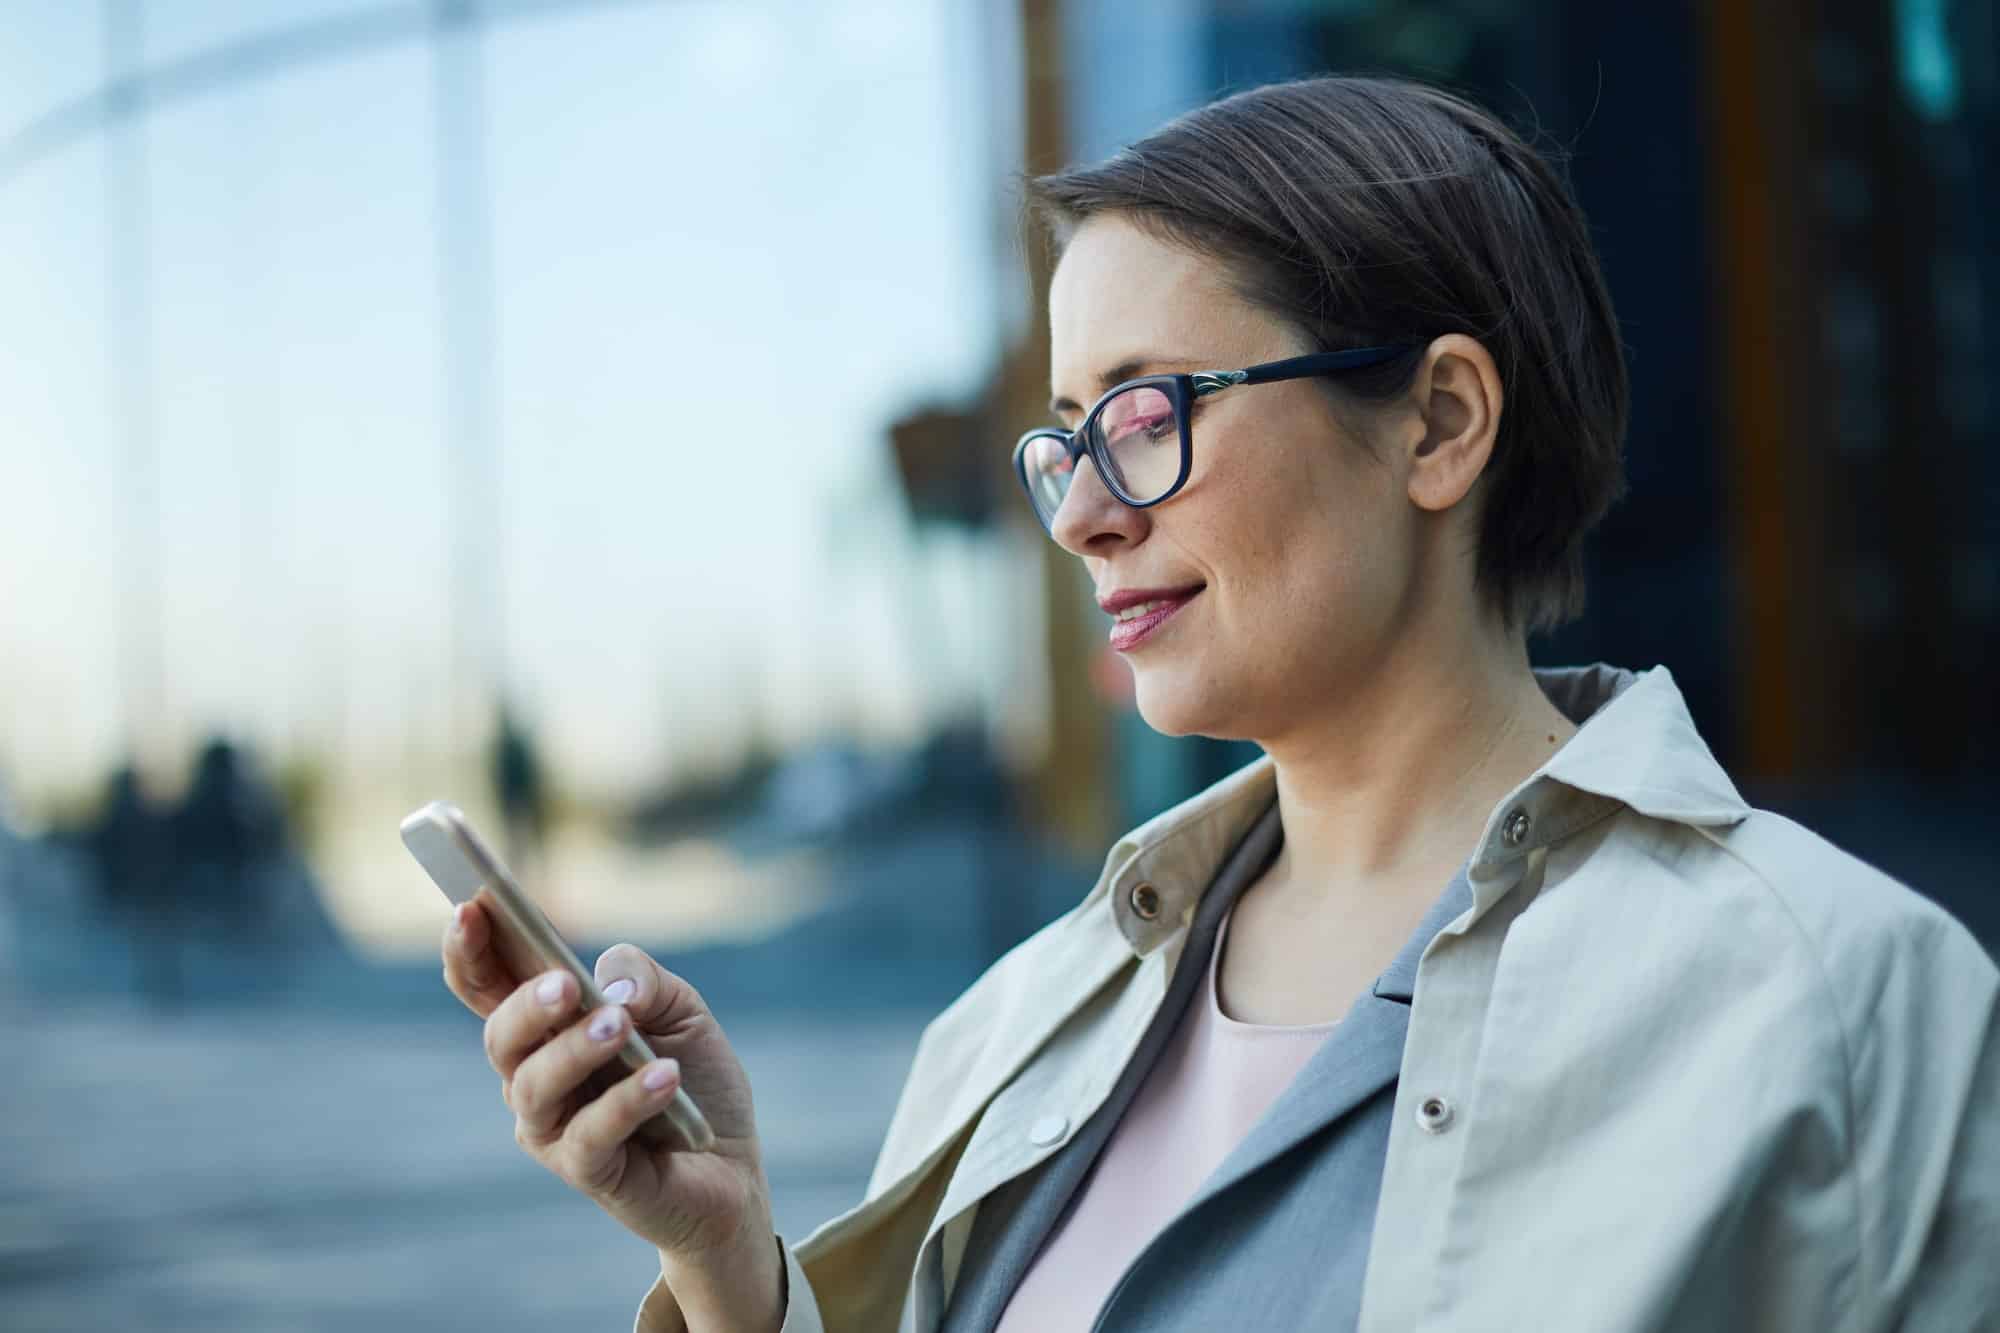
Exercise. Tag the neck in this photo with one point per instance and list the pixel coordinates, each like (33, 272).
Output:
(1392, 784)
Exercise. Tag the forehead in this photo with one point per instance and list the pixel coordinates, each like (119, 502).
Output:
(1119, 291)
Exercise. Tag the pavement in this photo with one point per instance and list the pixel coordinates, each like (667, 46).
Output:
(290, 1170)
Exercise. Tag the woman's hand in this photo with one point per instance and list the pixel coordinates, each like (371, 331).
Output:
(708, 1213)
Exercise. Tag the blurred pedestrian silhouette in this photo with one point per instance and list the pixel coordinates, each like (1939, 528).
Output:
(211, 879)
(225, 836)
(129, 852)
(517, 783)
(124, 844)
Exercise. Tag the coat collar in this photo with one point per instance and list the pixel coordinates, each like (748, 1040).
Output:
(1399, 980)
(1635, 747)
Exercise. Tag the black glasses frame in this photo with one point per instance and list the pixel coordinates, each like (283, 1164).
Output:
(1182, 391)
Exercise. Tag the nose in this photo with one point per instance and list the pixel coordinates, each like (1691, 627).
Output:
(1091, 520)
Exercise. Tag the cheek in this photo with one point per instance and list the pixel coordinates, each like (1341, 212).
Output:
(1312, 576)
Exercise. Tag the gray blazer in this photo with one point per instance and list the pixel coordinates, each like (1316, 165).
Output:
(1278, 1237)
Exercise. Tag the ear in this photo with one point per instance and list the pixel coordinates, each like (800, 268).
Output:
(1458, 396)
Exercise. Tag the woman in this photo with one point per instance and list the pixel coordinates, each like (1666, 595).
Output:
(1482, 1001)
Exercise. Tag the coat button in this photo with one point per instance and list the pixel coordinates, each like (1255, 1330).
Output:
(1433, 1115)
(1515, 831)
(1145, 901)
(1047, 1130)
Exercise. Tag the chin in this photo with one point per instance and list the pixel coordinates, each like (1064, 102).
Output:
(1179, 703)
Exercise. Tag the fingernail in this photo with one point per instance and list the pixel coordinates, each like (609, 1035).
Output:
(659, 1075)
(458, 919)
(621, 990)
(605, 1026)
(550, 991)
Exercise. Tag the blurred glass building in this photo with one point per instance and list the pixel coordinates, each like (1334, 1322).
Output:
(356, 414)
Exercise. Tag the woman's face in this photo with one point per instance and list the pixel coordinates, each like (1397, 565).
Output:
(1287, 561)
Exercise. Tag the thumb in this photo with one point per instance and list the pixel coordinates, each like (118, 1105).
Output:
(659, 1001)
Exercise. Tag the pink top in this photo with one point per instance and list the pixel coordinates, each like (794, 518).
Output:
(1213, 1081)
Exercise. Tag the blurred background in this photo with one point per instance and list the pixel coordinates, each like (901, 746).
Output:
(596, 412)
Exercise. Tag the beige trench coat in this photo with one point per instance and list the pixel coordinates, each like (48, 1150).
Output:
(1708, 1072)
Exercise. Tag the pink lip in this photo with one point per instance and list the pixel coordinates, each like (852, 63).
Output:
(1129, 634)
(1111, 603)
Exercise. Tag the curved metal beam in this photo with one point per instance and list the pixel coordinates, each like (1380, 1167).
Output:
(263, 55)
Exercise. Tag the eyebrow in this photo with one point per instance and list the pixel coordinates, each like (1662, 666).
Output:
(1130, 368)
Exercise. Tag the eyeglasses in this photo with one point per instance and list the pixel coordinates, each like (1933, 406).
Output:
(1138, 435)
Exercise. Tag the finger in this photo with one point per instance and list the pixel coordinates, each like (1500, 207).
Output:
(472, 967)
(525, 1018)
(659, 1001)
(544, 1083)
(593, 1144)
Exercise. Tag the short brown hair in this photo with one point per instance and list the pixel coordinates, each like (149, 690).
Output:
(1369, 210)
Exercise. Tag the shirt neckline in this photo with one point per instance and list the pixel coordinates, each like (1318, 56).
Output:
(1236, 1027)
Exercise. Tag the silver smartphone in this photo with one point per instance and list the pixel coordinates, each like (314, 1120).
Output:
(460, 863)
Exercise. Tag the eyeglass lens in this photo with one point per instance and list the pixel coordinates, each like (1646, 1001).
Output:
(1137, 437)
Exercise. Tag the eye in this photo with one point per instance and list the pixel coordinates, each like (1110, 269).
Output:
(1154, 428)
(1143, 413)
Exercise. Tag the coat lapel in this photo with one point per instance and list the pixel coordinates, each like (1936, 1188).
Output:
(1359, 1059)
(1005, 1242)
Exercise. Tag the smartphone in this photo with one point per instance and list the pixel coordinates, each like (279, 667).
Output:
(459, 862)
